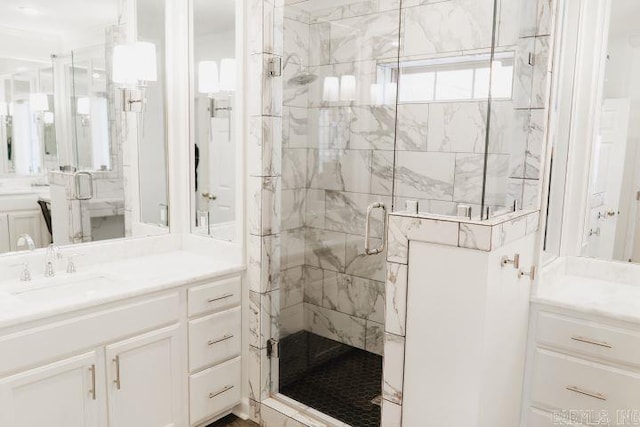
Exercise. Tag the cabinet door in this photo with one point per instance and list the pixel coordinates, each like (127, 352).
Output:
(143, 374)
(28, 222)
(62, 394)
(5, 245)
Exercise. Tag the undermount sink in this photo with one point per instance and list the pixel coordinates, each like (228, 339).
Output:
(61, 286)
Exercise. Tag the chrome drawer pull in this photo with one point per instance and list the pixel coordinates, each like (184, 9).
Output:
(217, 393)
(586, 393)
(588, 341)
(224, 338)
(219, 298)
(92, 392)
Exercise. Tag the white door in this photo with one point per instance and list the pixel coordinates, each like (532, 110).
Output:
(62, 394)
(607, 177)
(28, 222)
(222, 174)
(143, 380)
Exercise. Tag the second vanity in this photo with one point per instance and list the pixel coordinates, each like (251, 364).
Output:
(128, 340)
(583, 363)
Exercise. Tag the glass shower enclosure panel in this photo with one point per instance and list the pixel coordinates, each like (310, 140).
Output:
(339, 124)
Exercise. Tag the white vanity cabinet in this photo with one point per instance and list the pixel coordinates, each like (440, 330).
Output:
(583, 368)
(62, 393)
(127, 364)
(13, 224)
(144, 380)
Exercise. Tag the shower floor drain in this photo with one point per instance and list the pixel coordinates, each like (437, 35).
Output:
(377, 400)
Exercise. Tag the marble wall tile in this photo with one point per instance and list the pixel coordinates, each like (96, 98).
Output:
(345, 170)
(545, 17)
(523, 75)
(531, 194)
(457, 127)
(298, 129)
(335, 325)
(469, 178)
(396, 298)
(514, 190)
(265, 145)
(374, 338)
(263, 262)
(425, 175)
(293, 208)
(475, 236)
(382, 172)
(325, 249)
(297, 11)
(319, 43)
(372, 127)
(328, 128)
(269, 417)
(293, 248)
(373, 36)
(269, 316)
(346, 212)
(359, 264)
(508, 130)
(315, 208)
(313, 285)
(255, 26)
(296, 41)
(535, 143)
(291, 287)
(447, 26)
(355, 296)
(541, 80)
(412, 127)
(294, 168)
(401, 229)
(350, 9)
(507, 232)
(272, 28)
(393, 368)
(254, 319)
(496, 180)
(293, 94)
(391, 414)
(264, 199)
(533, 222)
(256, 76)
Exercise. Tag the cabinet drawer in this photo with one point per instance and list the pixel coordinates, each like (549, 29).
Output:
(565, 382)
(595, 339)
(214, 338)
(214, 296)
(214, 390)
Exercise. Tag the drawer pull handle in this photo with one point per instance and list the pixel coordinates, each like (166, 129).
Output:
(224, 338)
(116, 381)
(217, 393)
(219, 298)
(92, 392)
(586, 393)
(588, 341)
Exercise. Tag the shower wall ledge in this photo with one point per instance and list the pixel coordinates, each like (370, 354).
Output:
(487, 235)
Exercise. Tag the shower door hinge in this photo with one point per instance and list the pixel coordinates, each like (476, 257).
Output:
(532, 59)
(273, 349)
(274, 67)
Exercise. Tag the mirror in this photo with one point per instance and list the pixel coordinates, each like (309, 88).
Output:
(593, 211)
(213, 121)
(77, 115)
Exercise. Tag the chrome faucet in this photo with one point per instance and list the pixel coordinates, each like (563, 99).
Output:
(53, 254)
(25, 240)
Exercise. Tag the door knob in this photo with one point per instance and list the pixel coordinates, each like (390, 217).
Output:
(209, 196)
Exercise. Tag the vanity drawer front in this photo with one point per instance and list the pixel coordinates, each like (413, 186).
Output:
(565, 382)
(595, 339)
(214, 296)
(214, 338)
(214, 390)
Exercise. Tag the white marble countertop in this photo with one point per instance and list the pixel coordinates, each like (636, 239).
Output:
(609, 289)
(102, 282)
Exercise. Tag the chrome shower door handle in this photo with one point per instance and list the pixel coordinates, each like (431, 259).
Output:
(367, 229)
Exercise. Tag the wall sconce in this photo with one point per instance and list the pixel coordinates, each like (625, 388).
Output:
(331, 89)
(39, 102)
(48, 118)
(212, 81)
(4, 110)
(134, 65)
(83, 109)
(348, 88)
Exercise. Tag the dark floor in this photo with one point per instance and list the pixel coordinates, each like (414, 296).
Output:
(232, 421)
(331, 377)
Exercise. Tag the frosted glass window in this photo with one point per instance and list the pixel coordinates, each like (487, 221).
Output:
(454, 85)
(417, 87)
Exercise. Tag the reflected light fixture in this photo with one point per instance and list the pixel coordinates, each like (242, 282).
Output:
(228, 74)
(134, 65)
(348, 88)
(208, 77)
(331, 89)
(48, 118)
(83, 106)
(4, 110)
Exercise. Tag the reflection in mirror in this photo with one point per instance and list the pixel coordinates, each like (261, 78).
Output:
(606, 206)
(214, 113)
(65, 137)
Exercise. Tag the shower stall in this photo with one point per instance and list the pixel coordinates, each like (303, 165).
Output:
(383, 105)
